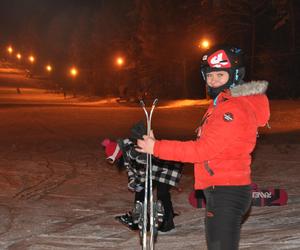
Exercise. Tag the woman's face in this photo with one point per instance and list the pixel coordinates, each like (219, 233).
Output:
(216, 79)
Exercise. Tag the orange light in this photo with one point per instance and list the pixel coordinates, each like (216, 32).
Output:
(10, 49)
(73, 72)
(120, 61)
(19, 56)
(31, 59)
(49, 68)
(204, 44)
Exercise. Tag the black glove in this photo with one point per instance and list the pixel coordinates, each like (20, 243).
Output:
(138, 130)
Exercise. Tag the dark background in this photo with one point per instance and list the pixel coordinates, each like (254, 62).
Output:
(158, 39)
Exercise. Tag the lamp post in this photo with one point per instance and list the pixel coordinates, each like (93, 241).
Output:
(73, 72)
(120, 61)
(205, 44)
(30, 69)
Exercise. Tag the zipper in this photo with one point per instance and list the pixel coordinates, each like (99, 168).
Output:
(208, 169)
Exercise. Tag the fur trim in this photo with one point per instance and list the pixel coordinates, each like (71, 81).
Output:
(250, 88)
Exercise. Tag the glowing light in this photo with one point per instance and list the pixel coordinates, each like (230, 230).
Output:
(31, 59)
(185, 103)
(49, 68)
(73, 72)
(10, 50)
(204, 44)
(120, 61)
(19, 56)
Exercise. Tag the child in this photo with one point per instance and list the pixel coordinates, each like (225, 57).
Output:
(166, 174)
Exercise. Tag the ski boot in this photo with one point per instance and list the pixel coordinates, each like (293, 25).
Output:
(167, 225)
(127, 220)
(158, 213)
(137, 216)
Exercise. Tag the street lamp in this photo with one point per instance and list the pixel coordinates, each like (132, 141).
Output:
(73, 72)
(48, 68)
(10, 50)
(120, 61)
(121, 85)
(19, 56)
(31, 59)
(204, 44)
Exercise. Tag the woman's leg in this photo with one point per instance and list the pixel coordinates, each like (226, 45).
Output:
(225, 208)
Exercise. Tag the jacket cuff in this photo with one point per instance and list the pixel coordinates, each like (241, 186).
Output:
(156, 148)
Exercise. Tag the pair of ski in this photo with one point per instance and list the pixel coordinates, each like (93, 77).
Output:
(149, 210)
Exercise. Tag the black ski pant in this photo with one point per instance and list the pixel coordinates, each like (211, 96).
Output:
(164, 195)
(225, 209)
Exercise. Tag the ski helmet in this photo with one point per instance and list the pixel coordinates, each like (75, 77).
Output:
(224, 58)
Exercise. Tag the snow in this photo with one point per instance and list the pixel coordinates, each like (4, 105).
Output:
(57, 191)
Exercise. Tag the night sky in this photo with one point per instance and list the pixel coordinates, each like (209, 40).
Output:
(159, 36)
(14, 14)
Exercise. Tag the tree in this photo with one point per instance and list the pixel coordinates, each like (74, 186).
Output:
(238, 20)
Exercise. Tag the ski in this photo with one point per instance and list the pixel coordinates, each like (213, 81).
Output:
(151, 207)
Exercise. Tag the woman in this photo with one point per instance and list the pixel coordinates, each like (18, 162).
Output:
(225, 139)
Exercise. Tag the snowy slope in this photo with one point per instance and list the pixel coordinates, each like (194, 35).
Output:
(57, 191)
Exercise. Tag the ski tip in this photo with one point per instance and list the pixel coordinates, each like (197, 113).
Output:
(142, 103)
(155, 101)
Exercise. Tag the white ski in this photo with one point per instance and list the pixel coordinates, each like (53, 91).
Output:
(144, 208)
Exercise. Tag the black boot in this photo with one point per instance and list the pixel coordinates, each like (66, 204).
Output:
(163, 194)
(167, 224)
(127, 220)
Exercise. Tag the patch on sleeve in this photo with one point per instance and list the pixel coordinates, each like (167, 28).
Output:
(228, 117)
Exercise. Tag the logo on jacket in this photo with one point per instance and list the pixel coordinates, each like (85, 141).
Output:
(228, 117)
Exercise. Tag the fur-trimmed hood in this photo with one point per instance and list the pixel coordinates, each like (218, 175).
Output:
(250, 88)
(253, 94)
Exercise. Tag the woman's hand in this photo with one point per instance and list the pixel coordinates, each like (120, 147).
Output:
(147, 144)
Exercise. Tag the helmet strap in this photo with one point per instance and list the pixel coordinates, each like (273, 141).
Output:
(236, 75)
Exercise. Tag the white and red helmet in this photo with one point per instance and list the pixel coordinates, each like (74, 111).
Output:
(224, 58)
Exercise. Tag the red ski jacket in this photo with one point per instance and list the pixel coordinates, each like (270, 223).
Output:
(225, 139)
